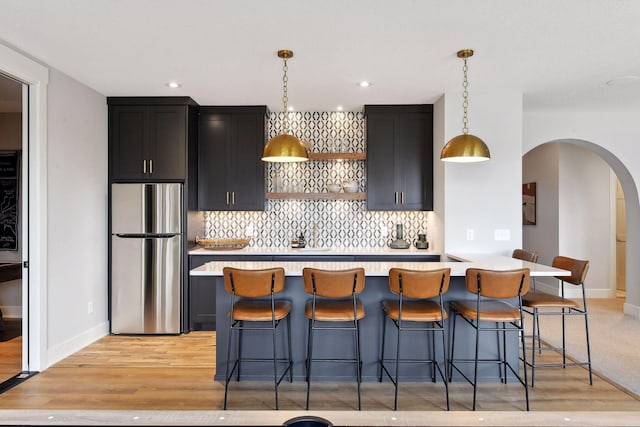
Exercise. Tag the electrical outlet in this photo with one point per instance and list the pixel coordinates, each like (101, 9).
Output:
(502, 234)
(384, 232)
(90, 307)
(470, 234)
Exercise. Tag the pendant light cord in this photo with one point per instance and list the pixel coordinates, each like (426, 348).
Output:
(285, 96)
(465, 99)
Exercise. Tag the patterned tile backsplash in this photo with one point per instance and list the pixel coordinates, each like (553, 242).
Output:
(340, 223)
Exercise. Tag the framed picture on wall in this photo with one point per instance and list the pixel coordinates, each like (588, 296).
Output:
(529, 203)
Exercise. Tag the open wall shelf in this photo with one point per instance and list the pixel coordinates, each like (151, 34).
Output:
(316, 196)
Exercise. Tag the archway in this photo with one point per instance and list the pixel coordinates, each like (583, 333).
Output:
(632, 304)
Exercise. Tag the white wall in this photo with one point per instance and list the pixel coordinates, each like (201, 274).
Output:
(437, 215)
(574, 213)
(485, 196)
(585, 215)
(541, 166)
(77, 215)
(613, 136)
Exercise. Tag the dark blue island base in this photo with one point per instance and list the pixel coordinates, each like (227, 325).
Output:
(337, 344)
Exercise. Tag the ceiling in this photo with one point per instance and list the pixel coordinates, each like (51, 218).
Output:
(558, 53)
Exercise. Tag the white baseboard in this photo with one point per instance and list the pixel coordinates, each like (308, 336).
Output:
(632, 310)
(11, 311)
(72, 345)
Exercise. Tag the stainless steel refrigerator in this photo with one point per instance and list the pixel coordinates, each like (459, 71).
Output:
(146, 258)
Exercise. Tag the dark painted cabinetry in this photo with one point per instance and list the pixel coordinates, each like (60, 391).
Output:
(148, 138)
(231, 174)
(202, 303)
(399, 157)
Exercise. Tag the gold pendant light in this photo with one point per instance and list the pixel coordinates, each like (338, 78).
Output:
(465, 148)
(285, 147)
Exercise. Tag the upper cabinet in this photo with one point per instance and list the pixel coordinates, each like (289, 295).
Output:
(230, 169)
(148, 137)
(399, 157)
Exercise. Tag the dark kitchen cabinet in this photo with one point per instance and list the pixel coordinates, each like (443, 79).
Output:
(148, 138)
(399, 157)
(230, 169)
(202, 304)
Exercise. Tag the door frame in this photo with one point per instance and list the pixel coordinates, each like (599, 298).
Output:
(34, 289)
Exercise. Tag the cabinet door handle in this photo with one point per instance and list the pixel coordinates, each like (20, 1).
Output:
(150, 167)
(227, 197)
(233, 197)
(144, 166)
(395, 197)
(402, 198)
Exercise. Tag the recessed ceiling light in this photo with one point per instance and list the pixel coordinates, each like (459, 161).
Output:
(339, 108)
(364, 84)
(290, 108)
(174, 85)
(624, 81)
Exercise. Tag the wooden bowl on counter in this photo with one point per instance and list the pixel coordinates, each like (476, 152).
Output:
(222, 244)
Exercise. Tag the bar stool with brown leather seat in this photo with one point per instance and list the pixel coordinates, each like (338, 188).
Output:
(554, 305)
(493, 290)
(525, 255)
(253, 300)
(414, 311)
(334, 302)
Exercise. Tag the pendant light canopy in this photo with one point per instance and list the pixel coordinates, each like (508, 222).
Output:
(465, 148)
(285, 147)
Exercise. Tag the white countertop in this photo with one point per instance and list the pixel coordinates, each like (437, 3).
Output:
(250, 250)
(486, 261)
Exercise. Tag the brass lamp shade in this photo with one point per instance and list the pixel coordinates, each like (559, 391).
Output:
(284, 148)
(465, 148)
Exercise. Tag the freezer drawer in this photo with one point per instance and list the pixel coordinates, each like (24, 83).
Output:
(146, 208)
(145, 285)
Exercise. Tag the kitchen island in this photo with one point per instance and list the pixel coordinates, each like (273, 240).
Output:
(376, 289)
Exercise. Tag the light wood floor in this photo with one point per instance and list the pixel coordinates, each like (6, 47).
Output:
(175, 373)
(10, 358)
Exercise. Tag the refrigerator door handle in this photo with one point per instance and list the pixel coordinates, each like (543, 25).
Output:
(146, 236)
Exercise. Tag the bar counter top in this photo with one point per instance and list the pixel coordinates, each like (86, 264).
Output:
(458, 265)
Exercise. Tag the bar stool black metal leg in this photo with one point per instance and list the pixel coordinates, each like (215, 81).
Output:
(228, 374)
(358, 362)
(524, 360)
(275, 363)
(539, 340)
(309, 358)
(533, 348)
(395, 395)
(504, 351)
(444, 361)
(432, 355)
(475, 366)
(452, 334)
(502, 377)
(564, 344)
(240, 326)
(586, 327)
(384, 334)
(290, 364)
